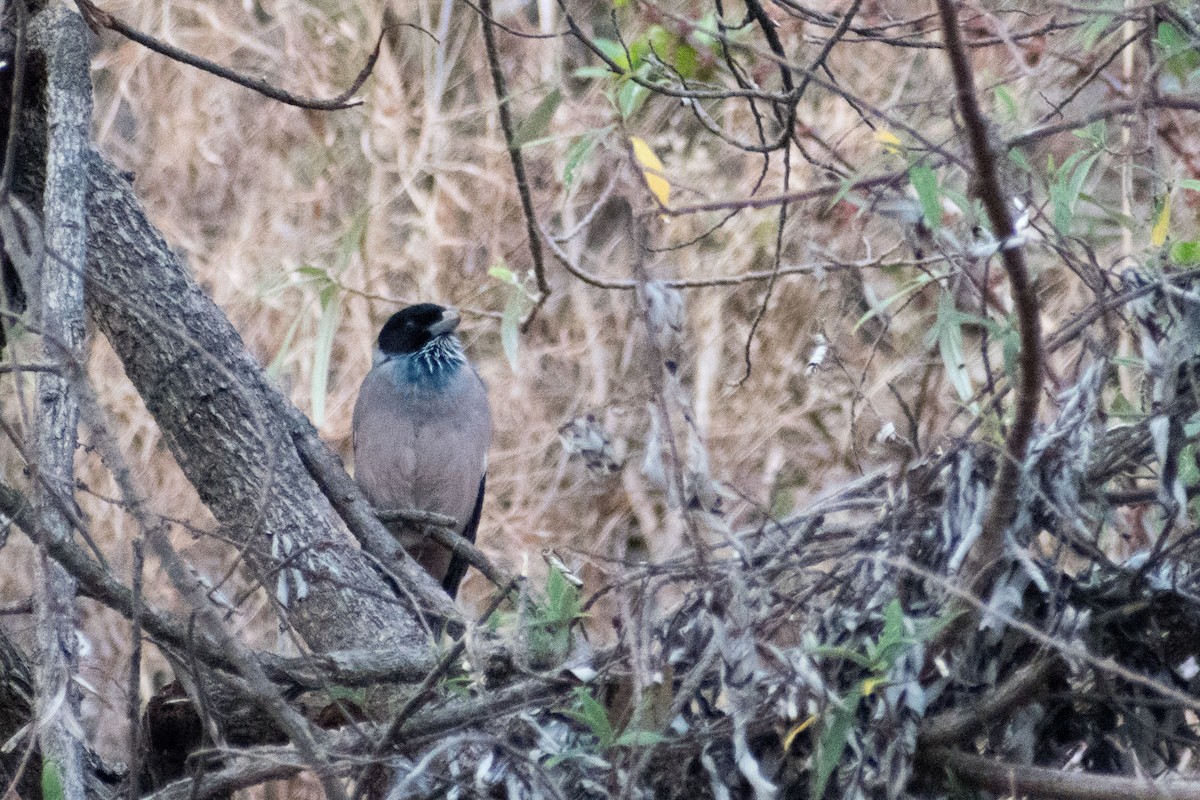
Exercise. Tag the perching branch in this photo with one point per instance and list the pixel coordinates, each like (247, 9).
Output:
(441, 529)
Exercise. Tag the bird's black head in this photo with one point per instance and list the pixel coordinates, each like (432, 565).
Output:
(410, 329)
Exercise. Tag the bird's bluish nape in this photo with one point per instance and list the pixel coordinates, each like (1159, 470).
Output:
(421, 431)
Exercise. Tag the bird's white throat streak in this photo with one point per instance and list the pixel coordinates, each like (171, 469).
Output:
(442, 354)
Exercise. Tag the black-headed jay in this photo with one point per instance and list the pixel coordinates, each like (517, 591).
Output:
(421, 431)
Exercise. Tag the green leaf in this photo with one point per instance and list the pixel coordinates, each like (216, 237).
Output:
(704, 33)
(1121, 407)
(1188, 183)
(843, 193)
(594, 72)
(578, 153)
(52, 787)
(638, 50)
(614, 51)
(1068, 183)
(1180, 55)
(1091, 34)
(1185, 253)
(924, 180)
(315, 273)
(537, 124)
(1170, 39)
(519, 301)
(1095, 134)
(1010, 342)
(1005, 99)
(562, 599)
(947, 331)
(639, 739)
(687, 61)
(503, 273)
(660, 41)
(833, 740)
(630, 97)
(1189, 474)
(326, 328)
(894, 639)
(919, 282)
(592, 714)
(844, 653)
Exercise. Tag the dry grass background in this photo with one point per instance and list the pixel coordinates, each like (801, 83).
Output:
(410, 197)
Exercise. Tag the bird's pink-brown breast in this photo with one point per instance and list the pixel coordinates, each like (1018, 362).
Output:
(422, 448)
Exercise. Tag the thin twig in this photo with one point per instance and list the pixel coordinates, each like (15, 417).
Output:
(1104, 112)
(97, 18)
(14, 112)
(956, 725)
(391, 737)
(518, 162)
(134, 707)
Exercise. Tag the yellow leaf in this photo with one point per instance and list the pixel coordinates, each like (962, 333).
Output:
(890, 141)
(871, 684)
(658, 187)
(796, 731)
(644, 154)
(1158, 234)
(652, 169)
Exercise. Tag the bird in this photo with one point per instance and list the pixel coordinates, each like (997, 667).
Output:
(421, 430)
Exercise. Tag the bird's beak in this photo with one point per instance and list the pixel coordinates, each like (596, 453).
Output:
(447, 323)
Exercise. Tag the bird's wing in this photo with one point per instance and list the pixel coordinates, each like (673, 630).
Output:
(458, 564)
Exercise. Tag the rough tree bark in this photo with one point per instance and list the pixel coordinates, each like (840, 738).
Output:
(228, 428)
(60, 306)
(236, 438)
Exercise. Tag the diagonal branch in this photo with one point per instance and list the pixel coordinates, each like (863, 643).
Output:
(348, 668)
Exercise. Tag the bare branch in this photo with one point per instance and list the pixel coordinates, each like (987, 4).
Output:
(518, 162)
(98, 19)
(996, 202)
(959, 724)
(1104, 112)
(444, 531)
(403, 717)
(1023, 780)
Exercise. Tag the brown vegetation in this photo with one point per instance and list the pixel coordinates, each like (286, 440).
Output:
(806, 402)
